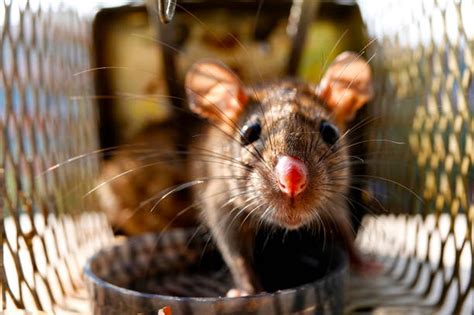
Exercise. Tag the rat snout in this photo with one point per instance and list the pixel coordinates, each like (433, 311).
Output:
(292, 175)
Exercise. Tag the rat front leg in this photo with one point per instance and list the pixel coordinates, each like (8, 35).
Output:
(235, 244)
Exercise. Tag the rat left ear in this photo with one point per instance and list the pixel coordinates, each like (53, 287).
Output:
(214, 92)
(346, 86)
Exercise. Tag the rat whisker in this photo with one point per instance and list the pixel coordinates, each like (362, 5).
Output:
(200, 202)
(257, 16)
(199, 158)
(84, 155)
(153, 98)
(145, 166)
(231, 123)
(361, 52)
(346, 134)
(270, 137)
(233, 126)
(243, 209)
(212, 157)
(174, 189)
(369, 211)
(357, 158)
(329, 213)
(374, 140)
(114, 68)
(352, 81)
(271, 230)
(393, 182)
(172, 153)
(232, 197)
(219, 40)
(363, 123)
(349, 131)
(250, 213)
(199, 228)
(224, 220)
(352, 200)
(255, 92)
(320, 224)
(331, 150)
(372, 197)
(230, 158)
(188, 184)
(326, 61)
(204, 249)
(368, 177)
(259, 156)
(80, 156)
(317, 141)
(368, 44)
(162, 43)
(150, 97)
(372, 159)
(237, 207)
(349, 165)
(171, 158)
(217, 154)
(266, 212)
(118, 176)
(121, 96)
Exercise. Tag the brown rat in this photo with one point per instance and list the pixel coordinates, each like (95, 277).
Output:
(283, 156)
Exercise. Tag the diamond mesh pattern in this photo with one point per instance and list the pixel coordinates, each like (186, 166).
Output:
(44, 237)
(424, 70)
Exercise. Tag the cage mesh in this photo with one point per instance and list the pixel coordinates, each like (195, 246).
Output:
(425, 96)
(45, 120)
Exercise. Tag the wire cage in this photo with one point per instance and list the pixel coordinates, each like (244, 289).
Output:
(46, 233)
(423, 62)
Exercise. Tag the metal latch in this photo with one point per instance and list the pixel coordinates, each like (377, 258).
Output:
(166, 9)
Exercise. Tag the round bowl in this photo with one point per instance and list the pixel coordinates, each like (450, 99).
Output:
(181, 269)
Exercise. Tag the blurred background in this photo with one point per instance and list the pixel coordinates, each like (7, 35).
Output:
(134, 98)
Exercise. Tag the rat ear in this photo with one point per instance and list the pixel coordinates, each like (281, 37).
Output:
(346, 86)
(214, 91)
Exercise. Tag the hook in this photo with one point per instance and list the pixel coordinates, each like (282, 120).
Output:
(166, 9)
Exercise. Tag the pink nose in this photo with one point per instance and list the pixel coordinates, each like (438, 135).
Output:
(292, 175)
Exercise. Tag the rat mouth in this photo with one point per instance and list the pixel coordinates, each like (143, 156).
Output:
(289, 221)
(292, 222)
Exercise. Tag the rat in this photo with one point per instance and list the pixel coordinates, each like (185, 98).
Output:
(283, 157)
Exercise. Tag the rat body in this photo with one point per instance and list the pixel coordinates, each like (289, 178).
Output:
(282, 155)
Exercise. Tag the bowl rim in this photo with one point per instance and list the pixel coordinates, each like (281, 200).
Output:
(338, 270)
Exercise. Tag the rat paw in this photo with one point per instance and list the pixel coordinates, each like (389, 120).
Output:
(236, 293)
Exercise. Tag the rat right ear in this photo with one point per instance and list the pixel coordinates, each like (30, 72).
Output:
(346, 86)
(214, 91)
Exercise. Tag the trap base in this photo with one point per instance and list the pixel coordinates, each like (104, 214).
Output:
(182, 270)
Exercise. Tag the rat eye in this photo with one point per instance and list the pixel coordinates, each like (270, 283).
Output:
(329, 132)
(251, 133)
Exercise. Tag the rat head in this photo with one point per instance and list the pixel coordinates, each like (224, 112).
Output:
(289, 137)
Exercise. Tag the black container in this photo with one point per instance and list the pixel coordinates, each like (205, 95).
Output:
(182, 270)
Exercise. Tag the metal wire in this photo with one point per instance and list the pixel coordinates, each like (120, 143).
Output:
(47, 229)
(424, 73)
